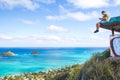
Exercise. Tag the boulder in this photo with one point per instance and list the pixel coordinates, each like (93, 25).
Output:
(9, 53)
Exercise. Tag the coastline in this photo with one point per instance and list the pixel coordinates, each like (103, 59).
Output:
(75, 54)
(47, 75)
(99, 67)
(47, 59)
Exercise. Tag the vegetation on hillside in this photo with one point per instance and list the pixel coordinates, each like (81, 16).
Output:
(100, 67)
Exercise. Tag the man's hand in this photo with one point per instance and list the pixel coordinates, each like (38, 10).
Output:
(100, 18)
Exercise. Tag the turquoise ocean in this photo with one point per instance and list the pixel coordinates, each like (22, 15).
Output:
(47, 59)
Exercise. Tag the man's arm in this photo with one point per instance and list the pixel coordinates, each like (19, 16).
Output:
(101, 19)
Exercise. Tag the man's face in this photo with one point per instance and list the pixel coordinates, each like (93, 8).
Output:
(103, 13)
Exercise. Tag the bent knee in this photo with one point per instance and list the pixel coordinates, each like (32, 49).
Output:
(98, 23)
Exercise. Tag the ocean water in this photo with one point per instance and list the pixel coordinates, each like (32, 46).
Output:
(48, 58)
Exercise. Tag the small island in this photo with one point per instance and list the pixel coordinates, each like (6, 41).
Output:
(35, 53)
(9, 53)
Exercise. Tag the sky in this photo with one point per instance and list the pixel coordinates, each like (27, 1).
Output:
(54, 23)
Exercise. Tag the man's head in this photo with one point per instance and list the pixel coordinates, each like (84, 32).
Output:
(103, 12)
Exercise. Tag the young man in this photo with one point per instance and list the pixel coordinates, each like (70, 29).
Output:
(103, 20)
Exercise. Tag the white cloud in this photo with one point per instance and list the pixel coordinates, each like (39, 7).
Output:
(62, 10)
(35, 39)
(29, 22)
(96, 38)
(53, 37)
(28, 4)
(80, 16)
(117, 2)
(89, 3)
(31, 38)
(46, 1)
(5, 37)
(45, 40)
(60, 17)
(57, 28)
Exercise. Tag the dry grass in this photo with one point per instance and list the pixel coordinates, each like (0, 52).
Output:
(100, 67)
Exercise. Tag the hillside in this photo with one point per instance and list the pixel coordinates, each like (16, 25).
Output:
(100, 67)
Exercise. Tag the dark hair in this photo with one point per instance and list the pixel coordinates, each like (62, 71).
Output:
(103, 11)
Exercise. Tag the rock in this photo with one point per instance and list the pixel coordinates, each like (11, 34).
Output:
(35, 53)
(114, 58)
(9, 53)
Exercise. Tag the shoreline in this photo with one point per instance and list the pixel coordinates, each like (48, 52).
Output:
(47, 70)
(43, 75)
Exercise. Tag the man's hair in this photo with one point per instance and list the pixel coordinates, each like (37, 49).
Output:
(103, 11)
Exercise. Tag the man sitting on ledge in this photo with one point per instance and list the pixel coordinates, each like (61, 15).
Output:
(104, 19)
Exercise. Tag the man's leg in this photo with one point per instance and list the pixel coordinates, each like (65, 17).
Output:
(97, 27)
